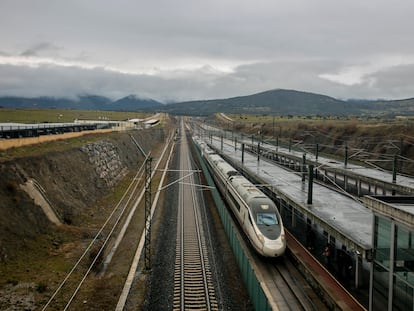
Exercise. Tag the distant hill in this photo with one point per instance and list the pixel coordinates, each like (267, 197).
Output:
(93, 102)
(133, 102)
(85, 102)
(270, 102)
(388, 107)
(290, 102)
(278, 102)
(38, 102)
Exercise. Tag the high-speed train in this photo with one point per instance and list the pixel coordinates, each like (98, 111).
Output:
(256, 213)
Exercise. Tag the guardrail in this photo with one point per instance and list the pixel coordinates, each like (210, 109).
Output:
(34, 130)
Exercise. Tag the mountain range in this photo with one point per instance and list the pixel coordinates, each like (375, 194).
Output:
(278, 102)
(85, 102)
(291, 102)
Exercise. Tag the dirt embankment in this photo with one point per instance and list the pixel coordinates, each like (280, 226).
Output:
(369, 142)
(372, 144)
(76, 182)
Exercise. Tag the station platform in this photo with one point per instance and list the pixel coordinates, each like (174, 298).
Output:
(334, 293)
(18, 130)
(341, 216)
(375, 181)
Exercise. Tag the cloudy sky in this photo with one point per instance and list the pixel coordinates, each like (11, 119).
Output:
(197, 49)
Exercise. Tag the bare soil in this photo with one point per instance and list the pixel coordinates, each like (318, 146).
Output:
(35, 255)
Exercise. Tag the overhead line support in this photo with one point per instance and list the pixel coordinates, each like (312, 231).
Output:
(147, 217)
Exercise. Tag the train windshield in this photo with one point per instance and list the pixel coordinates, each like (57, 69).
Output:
(267, 219)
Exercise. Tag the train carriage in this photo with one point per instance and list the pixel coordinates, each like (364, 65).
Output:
(255, 212)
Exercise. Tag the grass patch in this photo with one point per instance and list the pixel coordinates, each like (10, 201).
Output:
(372, 137)
(41, 287)
(53, 146)
(12, 282)
(32, 115)
(39, 260)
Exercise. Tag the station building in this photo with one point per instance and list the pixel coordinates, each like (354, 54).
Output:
(392, 268)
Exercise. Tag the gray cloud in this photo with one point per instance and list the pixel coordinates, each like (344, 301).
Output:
(186, 50)
(398, 81)
(39, 47)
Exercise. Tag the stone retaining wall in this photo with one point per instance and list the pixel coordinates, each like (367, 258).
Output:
(105, 158)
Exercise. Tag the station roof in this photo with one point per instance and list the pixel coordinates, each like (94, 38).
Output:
(372, 173)
(22, 126)
(152, 121)
(399, 208)
(341, 215)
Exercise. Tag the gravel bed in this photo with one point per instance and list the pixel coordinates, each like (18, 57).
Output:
(231, 293)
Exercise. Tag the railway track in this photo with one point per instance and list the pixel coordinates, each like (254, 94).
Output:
(193, 284)
(295, 294)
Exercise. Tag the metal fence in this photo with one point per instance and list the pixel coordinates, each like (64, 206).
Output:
(257, 296)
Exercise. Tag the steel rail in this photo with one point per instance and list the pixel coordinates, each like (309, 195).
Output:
(193, 288)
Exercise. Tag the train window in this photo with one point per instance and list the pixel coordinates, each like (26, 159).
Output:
(252, 190)
(266, 219)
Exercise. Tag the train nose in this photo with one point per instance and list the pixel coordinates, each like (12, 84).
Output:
(274, 248)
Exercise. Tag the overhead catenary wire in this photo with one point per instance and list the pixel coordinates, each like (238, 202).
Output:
(128, 282)
(113, 228)
(96, 236)
(362, 154)
(95, 258)
(102, 247)
(297, 186)
(121, 234)
(92, 242)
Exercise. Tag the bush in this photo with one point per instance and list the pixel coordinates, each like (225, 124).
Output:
(13, 282)
(41, 287)
(11, 186)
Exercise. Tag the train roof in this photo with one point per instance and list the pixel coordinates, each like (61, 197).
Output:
(204, 147)
(246, 189)
(208, 150)
(223, 166)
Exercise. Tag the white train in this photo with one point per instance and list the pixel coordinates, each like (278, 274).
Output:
(256, 213)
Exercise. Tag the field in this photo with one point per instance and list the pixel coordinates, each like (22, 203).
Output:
(60, 115)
